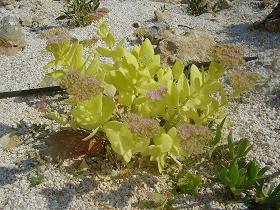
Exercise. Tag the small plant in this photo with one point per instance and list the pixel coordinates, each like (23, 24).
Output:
(78, 174)
(163, 8)
(217, 137)
(266, 197)
(242, 82)
(187, 183)
(196, 7)
(239, 176)
(36, 180)
(82, 12)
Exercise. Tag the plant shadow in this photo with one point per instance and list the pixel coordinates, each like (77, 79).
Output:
(4, 129)
(10, 175)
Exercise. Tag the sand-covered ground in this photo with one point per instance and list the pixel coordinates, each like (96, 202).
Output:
(256, 115)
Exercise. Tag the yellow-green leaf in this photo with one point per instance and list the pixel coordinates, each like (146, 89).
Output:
(178, 69)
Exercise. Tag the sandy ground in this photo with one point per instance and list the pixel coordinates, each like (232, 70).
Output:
(256, 115)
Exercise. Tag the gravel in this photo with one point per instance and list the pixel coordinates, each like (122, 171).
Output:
(256, 115)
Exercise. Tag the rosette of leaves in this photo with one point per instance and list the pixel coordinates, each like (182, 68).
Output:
(196, 7)
(240, 176)
(151, 94)
(187, 183)
(80, 12)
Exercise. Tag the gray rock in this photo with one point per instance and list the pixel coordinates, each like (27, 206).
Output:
(272, 22)
(11, 35)
(158, 32)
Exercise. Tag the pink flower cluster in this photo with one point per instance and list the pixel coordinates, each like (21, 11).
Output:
(80, 87)
(157, 95)
(186, 131)
(194, 138)
(57, 36)
(141, 127)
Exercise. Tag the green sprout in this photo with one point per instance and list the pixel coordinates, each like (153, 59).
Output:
(188, 183)
(36, 180)
(80, 12)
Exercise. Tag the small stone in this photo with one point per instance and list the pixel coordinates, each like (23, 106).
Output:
(9, 141)
(25, 21)
(9, 7)
(222, 4)
(161, 15)
(42, 168)
(135, 25)
(242, 195)
(12, 38)
(158, 32)
(6, 2)
(83, 165)
(208, 190)
(38, 20)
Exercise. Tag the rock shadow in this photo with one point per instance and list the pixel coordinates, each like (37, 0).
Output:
(244, 33)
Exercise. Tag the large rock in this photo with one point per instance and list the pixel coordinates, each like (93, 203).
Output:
(155, 33)
(12, 38)
(272, 21)
(191, 48)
